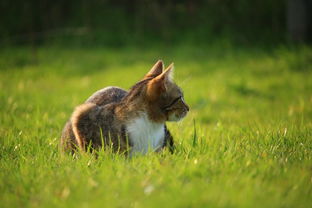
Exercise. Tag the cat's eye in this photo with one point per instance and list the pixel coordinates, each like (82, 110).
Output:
(173, 102)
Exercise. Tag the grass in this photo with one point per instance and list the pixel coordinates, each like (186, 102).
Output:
(247, 141)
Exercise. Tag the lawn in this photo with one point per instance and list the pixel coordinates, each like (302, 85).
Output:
(247, 141)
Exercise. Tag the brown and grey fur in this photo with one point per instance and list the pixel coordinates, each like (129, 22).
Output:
(102, 119)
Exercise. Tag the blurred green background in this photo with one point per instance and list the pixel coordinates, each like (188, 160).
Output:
(120, 22)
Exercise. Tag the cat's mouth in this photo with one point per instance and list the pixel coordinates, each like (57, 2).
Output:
(177, 116)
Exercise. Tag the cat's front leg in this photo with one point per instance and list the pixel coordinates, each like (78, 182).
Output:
(168, 142)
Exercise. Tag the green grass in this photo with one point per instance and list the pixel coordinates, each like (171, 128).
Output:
(253, 118)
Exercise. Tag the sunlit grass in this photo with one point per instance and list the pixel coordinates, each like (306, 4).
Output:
(251, 145)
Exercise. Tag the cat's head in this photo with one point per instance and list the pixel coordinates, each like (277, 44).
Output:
(165, 100)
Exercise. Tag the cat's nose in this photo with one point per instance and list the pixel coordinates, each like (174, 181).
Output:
(187, 108)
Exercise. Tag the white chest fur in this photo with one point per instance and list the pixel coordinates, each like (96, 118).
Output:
(145, 135)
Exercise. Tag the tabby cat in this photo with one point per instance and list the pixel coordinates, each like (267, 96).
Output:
(129, 122)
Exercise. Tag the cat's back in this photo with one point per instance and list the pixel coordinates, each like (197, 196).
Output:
(107, 95)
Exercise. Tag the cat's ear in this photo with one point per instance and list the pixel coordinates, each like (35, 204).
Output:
(156, 70)
(167, 74)
(160, 83)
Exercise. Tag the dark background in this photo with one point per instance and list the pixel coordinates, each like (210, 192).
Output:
(121, 22)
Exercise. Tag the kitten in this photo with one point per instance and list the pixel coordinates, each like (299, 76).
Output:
(130, 122)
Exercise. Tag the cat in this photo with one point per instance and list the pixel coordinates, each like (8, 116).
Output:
(130, 122)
